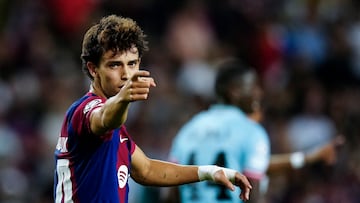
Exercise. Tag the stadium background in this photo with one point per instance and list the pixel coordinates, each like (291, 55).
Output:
(306, 51)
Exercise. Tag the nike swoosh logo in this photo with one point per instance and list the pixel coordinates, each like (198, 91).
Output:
(123, 139)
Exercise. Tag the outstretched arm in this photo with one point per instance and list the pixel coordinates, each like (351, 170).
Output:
(114, 112)
(326, 153)
(153, 172)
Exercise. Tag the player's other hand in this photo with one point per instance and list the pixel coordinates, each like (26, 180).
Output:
(240, 180)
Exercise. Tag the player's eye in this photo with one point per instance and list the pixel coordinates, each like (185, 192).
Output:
(132, 64)
(114, 65)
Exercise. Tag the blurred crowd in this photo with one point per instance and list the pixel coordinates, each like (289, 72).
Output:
(307, 53)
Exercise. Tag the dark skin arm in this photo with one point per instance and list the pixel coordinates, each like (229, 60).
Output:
(281, 162)
(326, 154)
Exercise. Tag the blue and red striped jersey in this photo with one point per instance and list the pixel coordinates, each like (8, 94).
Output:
(89, 167)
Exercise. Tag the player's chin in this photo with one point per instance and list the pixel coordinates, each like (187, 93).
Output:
(111, 93)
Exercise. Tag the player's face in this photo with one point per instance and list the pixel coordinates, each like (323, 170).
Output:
(247, 93)
(115, 69)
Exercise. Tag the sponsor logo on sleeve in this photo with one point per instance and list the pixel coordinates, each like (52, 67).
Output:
(91, 105)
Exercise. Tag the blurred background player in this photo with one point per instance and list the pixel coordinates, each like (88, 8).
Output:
(227, 135)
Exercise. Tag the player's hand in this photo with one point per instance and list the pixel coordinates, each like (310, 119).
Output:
(240, 180)
(328, 152)
(138, 86)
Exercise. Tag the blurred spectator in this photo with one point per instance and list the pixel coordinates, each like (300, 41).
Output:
(195, 74)
(311, 127)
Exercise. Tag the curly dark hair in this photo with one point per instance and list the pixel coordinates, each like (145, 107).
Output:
(111, 33)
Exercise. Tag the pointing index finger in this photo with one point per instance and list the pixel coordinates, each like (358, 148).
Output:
(140, 73)
(144, 76)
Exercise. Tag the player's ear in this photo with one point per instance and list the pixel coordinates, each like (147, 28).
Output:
(92, 69)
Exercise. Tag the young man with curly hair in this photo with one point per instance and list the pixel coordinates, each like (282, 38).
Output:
(95, 155)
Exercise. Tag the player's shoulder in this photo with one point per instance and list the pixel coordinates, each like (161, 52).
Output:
(191, 128)
(259, 134)
(258, 128)
(247, 126)
(197, 119)
(88, 101)
(85, 103)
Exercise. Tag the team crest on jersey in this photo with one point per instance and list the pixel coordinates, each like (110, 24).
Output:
(122, 174)
(91, 105)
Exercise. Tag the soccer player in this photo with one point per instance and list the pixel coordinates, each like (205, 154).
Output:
(229, 134)
(95, 155)
(225, 136)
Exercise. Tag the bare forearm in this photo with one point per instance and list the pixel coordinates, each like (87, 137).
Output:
(114, 112)
(289, 161)
(163, 173)
(279, 163)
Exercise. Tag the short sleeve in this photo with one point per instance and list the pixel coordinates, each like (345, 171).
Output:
(257, 155)
(80, 120)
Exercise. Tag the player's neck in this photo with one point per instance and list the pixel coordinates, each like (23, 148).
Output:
(94, 90)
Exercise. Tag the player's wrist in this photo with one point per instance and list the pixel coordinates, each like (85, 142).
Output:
(207, 172)
(230, 174)
(297, 160)
(204, 172)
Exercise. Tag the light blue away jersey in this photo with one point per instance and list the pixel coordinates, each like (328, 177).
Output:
(224, 136)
